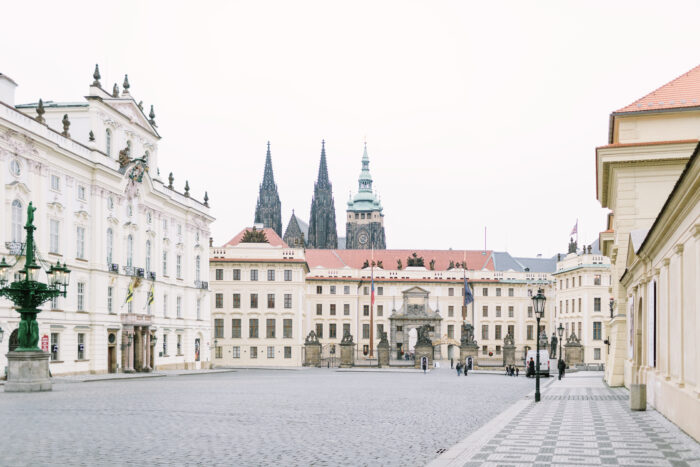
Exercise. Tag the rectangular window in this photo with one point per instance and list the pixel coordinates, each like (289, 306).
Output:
(165, 305)
(81, 346)
(511, 292)
(253, 300)
(219, 274)
(219, 300)
(451, 331)
(580, 334)
(380, 310)
(498, 291)
(319, 309)
(597, 331)
(380, 329)
(270, 275)
(331, 331)
(287, 352)
(511, 330)
(270, 300)
(55, 238)
(498, 332)
(365, 331)
(365, 310)
(450, 311)
(485, 311)
(199, 309)
(271, 328)
(596, 354)
(287, 328)
(332, 290)
(110, 299)
(346, 309)
(288, 300)
(270, 352)
(580, 310)
(253, 274)
(332, 309)
(484, 349)
(54, 346)
(573, 305)
(236, 274)
(485, 292)
(451, 292)
(55, 183)
(253, 352)
(165, 344)
(218, 352)
(511, 311)
(219, 328)
(54, 303)
(319, 330)
(498, 311)
(178, 266)
(288, 275)
(81, 296)
(80, 243)
(346, 290)
(236, 328)
(253, 328)
(236, 351)
(596, 279)
(179, 307)
(81, 192)
(530, 330)
(165, 263)
(498, 350)
(579, 281)
(365, 290)
(529, 312)
(596, 304)
(380, 290)
(236, 300)
(319, 289)
(485, 331)
(346, 327)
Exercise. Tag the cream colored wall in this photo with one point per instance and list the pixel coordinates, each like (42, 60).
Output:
(672, 126)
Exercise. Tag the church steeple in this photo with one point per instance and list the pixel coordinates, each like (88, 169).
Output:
(268, 210)
(322, 229)
(365, 180)
(365, 220)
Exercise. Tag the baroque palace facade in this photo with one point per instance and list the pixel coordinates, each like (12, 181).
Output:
(268, 296)
(648, 176)
(90, 168)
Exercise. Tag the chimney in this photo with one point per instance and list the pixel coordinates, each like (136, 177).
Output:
(7, 90)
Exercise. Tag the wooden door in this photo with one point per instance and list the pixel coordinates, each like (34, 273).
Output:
(111, 359)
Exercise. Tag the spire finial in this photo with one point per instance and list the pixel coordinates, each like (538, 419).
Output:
(91, 137)
(66, 125)
(97, 76)
(40, 112)
(187, 189)
(206, 199)
(171, 179)
(115, 90)
(126, 84)
(268, 147)
(152, 117)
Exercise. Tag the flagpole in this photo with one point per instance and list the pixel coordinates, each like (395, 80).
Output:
(371, 310)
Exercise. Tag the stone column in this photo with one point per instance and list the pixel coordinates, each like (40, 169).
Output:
(383, 351)
(131, 342)
(508, 355)
(347, 355)
(423, 350)
(469, 350)
(147, 340)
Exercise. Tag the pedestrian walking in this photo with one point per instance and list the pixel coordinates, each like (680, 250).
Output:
(452, 363)
(531, 367)
(562, 368)
(517, 372)
(424, 364)
(466, 369)
(459, 369)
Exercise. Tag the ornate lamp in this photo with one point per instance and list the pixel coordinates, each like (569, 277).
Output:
(4, 268)
(538, 302)
(560, 331)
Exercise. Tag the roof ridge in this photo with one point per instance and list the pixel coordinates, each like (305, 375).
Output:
(668, 84)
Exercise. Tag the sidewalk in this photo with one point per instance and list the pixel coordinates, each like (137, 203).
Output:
(83, 378)
(579, 421)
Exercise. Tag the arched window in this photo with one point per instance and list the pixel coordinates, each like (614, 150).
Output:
(109, 245)
(108, 142)
(129, 251)
(16, 233)
(197, 269)
(148, 255)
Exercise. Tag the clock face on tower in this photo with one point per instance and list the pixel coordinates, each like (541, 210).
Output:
(363, 238)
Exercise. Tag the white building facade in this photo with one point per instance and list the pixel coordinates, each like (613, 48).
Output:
(104, 210)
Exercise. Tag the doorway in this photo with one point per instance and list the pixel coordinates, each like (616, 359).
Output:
(112, 353)
(14, 340)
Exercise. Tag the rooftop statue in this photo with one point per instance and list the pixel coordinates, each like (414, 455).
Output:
(347, 338)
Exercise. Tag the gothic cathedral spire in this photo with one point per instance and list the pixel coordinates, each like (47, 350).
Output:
(322, 228)
(268, 211)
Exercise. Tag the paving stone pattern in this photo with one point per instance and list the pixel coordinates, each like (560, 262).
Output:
(580, 421)
(253, 417)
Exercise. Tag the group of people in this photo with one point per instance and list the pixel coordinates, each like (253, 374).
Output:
(461, 367)
(512, 370)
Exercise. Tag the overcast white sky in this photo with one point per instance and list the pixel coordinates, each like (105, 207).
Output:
(475, 114)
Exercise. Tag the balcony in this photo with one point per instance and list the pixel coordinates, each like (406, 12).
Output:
(201, 285)
(151, 276)
(133, 272)
(113, 267)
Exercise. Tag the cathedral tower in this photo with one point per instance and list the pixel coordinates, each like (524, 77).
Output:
(365, 220)
(268, 211)
(322, 229)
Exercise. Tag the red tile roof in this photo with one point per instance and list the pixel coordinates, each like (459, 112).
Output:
(683, 91)
(272, 238)
(338, 259)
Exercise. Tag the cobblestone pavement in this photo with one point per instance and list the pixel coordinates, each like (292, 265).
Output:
(253, 417)
(579, 421)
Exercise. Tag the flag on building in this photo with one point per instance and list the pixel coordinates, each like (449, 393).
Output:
(574, 231)
(151, 296)
(130, 293)
(468, 296)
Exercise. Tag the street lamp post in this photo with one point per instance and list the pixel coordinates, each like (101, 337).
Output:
(538, 304)
(560, 331)
(28, 368)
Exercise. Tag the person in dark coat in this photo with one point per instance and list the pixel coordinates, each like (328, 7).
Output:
(452, 363)
(531, 367)
(459, 368)
(465, 367)
(562, 368)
